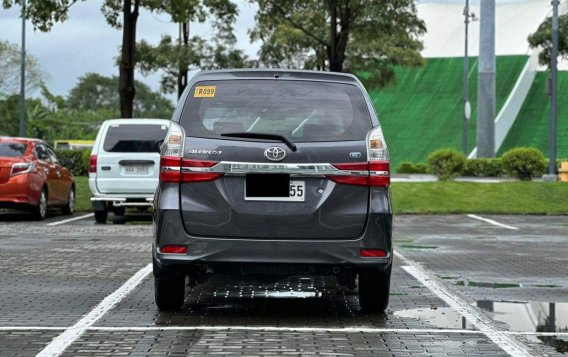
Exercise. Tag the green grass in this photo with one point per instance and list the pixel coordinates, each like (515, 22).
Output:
(448, 197)
(467, 197)
(532, 125)
(83, 194)
(423, 111)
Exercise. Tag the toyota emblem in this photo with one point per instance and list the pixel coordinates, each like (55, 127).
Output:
(275, 153)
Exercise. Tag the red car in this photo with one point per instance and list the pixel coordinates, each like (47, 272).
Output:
(32, 177)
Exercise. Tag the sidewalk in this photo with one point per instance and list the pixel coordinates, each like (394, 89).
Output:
(434, 178)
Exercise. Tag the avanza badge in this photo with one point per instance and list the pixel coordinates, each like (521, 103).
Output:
(204, 92)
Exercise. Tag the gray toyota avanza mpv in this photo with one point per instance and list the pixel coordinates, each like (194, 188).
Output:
(273, 172)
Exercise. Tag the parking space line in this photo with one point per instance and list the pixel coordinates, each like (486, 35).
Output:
(492, 222)
(70, 219)
(62, 341)
(542, 334)
(504, 341)
(31, 328)
(286, 329)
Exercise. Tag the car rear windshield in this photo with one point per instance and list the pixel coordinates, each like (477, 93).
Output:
(135, 137)
(12, 149)
(304, 111)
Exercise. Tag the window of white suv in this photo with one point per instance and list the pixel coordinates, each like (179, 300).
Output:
(135, 137)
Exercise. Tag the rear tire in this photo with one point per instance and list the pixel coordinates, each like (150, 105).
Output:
(101, 216)
(374, 290)
(69, 208)
(169, 292)
(40, 210)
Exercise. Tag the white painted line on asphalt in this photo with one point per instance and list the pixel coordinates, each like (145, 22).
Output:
(286, 329)
(70, 220)
(504, 341)
(492, 222)
(543, 334)
(282, 329)
(61, 342)
(31, 328)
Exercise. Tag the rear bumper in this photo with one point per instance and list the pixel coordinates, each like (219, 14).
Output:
(210, 252)
(20, 190)
(204, 251)
(119, 199)
(125, 201)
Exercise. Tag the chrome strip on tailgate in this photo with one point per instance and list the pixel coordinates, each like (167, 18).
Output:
(243, 168)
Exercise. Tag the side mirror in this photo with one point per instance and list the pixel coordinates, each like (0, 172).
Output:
(67, 163)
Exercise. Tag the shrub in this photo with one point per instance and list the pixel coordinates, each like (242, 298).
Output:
(80, 167)
(407, 167)
(447, 163)
(85, 161)
(483, 167)
(524, 163)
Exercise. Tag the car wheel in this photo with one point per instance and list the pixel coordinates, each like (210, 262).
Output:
(40, 210)
(101, 216)
(374, 290)
(169, 292)
(69, 208)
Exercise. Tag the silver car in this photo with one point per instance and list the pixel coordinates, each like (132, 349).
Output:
(274, 172)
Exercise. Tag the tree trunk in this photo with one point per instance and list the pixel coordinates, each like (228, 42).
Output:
(183, 41)
(343, 34)
(338, 41)
(334, 64)
(126, 88)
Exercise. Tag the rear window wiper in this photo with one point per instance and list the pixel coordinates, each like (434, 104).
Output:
(250, 135)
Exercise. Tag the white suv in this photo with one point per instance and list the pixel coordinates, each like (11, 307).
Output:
(124, 165)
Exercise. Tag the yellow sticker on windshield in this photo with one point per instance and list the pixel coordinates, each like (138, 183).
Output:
(204, 92)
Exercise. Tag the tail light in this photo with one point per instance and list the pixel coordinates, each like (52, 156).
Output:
(174, 249)
(21, 168)
(373, 173)
(373, 253)
(173, 168)
(93, 164)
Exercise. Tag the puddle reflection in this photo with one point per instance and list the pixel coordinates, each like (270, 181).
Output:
(441, 317)
(532, 316)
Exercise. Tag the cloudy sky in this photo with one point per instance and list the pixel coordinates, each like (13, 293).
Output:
(85, 43)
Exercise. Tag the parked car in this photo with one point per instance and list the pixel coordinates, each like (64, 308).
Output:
(33, 178)
(274, 172)
(124, 165)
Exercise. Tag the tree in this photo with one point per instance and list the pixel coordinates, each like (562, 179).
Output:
(175, 58)
(44, 14)
(94, 92)
(368, 37)
(130, 11)
(542, 38)
(10, 70)
(90, 102)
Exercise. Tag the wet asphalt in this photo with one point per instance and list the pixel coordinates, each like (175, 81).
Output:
(52, 276)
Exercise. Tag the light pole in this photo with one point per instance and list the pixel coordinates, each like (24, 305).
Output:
(553, 89)
(23, 74)
(468, 17)
(485, 130)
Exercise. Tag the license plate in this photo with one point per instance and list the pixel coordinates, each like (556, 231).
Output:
(136, 170)
(297, 193)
